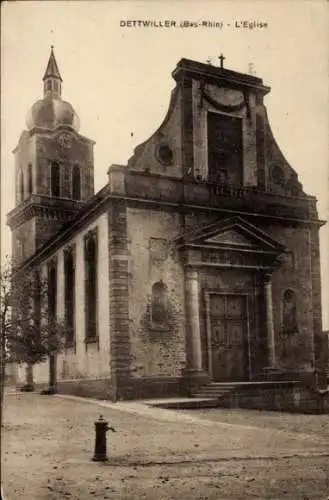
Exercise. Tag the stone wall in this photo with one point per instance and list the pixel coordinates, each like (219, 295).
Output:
(161, 153)
(295, 351)
(155, 351)
(24, 240)
(90, 360)
(286, 397)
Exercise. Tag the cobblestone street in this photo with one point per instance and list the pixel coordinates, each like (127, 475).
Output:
(48, 445)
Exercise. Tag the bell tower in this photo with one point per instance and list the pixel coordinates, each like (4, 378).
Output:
(54, 169)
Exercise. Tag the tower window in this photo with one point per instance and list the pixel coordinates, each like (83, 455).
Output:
(55, 86)
(21, 186)
(76, 183)
(55, 175)
(48, 84)
(29, 181)
(91, 279)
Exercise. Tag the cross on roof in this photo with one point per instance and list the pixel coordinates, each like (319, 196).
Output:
(221, 58)
(251, 69)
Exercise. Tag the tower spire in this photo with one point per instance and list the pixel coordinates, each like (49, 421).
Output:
(52, 78)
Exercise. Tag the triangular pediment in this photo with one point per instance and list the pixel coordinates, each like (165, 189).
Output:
(235, 233)
(231, 237)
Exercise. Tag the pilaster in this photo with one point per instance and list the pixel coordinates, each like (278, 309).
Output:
(194, 372)
(320, 338)
(119, 297)
(269, 320)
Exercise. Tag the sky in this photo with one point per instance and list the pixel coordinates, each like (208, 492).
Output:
(118, 78)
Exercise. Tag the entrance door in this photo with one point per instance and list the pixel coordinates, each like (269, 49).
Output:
(228, 323)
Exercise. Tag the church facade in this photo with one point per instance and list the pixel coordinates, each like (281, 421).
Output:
(197, 262)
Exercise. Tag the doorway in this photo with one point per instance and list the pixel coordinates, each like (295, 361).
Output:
(228, 322)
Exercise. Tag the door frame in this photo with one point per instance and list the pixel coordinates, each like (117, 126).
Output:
(207, 296)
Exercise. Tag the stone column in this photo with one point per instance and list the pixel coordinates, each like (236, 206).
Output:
(269, 319)
(193, 321)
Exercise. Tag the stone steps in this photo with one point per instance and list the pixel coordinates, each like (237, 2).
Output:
(213, 392)
(221, 391)
(218, 389)
(184, 403)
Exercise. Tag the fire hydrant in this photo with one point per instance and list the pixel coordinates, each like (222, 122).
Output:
(101, 428)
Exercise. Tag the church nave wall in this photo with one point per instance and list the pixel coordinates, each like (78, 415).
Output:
(83, 359)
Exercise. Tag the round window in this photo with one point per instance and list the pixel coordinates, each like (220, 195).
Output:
(165, 154)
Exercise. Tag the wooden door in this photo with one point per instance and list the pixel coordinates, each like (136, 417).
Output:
(228, 323)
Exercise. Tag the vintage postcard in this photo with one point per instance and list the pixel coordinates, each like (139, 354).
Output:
(164, 273)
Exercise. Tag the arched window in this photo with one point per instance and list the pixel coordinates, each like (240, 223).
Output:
(159, 304)
(18, 248)
(278, 175)
(222, 177)
(21, 186)
(54, 180)
(29, 179)
(69, 294)
(289, 310)
(76, 183)
(52, 289)
(91, 279)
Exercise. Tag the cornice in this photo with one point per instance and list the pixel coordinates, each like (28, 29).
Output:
(187, 208)
(243, 199)
(51, 133)
(101, 200)
(42, 206)
(88, 212)
(187, 68)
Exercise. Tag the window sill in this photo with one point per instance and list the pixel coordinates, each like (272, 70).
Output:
(91, 340)
(289, 333)
(158, 328)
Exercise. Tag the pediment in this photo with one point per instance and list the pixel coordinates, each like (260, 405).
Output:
(233, 233)
(231, 237)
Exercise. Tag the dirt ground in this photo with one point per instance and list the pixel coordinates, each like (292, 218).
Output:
(48, 444)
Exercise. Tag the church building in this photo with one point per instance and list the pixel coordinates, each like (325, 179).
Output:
(196, 264)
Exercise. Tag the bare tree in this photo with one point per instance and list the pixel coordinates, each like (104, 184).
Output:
(5, 324)
(28, 334)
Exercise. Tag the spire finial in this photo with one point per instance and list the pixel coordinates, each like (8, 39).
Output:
(52, 78)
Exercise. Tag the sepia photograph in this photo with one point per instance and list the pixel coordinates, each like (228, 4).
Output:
(164, 268)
